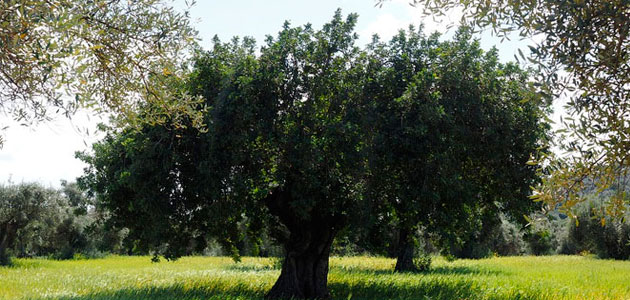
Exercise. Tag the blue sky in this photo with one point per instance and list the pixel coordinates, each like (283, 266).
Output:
(45, 153)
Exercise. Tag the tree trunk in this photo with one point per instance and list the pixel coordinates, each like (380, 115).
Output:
(307, 244)
(404, 261)
(6, 236)
(4, 258)
(304, 272)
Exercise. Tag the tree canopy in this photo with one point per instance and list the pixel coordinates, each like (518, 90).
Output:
(21, 206)
(452, 130)
(590, 42)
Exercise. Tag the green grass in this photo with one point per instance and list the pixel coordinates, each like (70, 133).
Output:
(553, 277)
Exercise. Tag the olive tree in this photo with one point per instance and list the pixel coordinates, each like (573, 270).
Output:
(20, 206)
(589, 41)
(283, 146)
(452, 132)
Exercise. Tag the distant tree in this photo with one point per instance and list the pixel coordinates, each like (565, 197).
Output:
(104, 55)
(596, 232)
(590, 42)
(539, 242)
(20, 206)
(453, 130)
(76, 197)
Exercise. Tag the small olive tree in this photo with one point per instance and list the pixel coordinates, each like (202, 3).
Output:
(20, 206)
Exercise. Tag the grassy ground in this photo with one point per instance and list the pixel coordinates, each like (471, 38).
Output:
(556, 277)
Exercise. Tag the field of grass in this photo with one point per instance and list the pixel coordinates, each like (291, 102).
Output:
(553, 277)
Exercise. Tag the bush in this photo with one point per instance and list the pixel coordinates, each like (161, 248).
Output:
(492, 236)
(606, 239)
(539, 242)
(422, 263)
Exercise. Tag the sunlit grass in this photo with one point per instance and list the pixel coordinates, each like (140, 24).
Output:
(553, 277)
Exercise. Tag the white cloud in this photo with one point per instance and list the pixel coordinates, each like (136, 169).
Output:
(385, 25)
(398, 14)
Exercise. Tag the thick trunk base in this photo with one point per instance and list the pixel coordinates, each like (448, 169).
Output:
(302, 277)
(307, 245)
(304, 272)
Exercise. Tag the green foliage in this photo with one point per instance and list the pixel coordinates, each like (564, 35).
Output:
(422, 263)
(589, 40)
(539, 242)
(21, 208)
(451, 132)
(601, 235)
(491, 237)
(45, 222)
(103, 55)
(285, 123)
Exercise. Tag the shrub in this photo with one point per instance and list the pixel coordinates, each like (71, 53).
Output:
(422, 263)
(539, 242)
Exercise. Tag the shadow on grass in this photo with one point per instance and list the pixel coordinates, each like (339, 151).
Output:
(175, 292)
(367, 290)
(349, 283)
(363, 290)
(441, 270)
(22, 264)
(367, 286)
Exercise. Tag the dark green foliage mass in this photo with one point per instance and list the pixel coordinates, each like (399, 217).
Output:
(597, 234)
(583, 55)
(452, 132)
(283, 140)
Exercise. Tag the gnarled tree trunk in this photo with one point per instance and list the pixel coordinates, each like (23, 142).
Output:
(406, 247)
(304, 272)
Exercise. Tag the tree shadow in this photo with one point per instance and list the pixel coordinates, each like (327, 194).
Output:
(376, 290)
(22, 264)
(441, 270)
(174, 292)
(359, 290)
(368, 286)
(362, 290)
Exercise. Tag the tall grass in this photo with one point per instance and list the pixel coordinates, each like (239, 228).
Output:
(553, 277)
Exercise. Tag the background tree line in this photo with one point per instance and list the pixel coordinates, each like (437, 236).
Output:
(36, 221)
(65, 224)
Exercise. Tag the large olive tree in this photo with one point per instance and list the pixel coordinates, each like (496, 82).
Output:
(283, 146)
(296, 132)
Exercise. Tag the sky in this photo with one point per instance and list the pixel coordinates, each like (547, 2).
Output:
(44, 152)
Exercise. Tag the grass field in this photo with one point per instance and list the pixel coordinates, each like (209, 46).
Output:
(554, 277)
